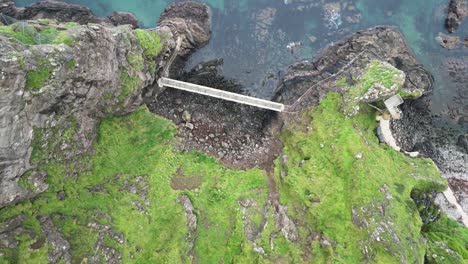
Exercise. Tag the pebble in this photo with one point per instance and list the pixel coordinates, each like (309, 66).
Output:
(186, 116)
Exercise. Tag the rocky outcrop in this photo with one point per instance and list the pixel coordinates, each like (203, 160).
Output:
(380, 43)
(457, 10)
(448, 41)
(53, 96)
(191, 21)
(64, 12)
(60, 248)
(418, 131)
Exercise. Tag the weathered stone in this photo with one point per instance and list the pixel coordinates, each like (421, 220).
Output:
(65, 12)
(457, 10)
(86, 83)
(448, 41)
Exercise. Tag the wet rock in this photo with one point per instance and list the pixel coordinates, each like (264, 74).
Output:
(293, 47)
(457, 10)
(264, 19)
(375, 44)
(123, 18)
(312, 39)
(462, 143)
(448, 41)
(65, 12)
(189, 20)
(332, 15)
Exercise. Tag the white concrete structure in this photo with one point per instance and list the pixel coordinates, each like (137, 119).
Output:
(228, 96)
(392, 104)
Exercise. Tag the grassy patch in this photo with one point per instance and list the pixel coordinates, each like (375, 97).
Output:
(150, 42)
(376, 73)
(325, 177)
(20, 31)
(69, 25)
(139, 145)
(447, 241)
(35, 80)
(71, 64)
(136, 61)
(129, 84)
(29, 35)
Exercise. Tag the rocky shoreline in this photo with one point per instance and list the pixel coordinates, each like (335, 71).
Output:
(100, 72)
(98, 68)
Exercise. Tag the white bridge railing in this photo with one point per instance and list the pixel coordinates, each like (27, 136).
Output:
(228, 96)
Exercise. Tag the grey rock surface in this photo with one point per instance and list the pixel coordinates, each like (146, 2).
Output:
(456, 12)
(85, 82)
(64, 12)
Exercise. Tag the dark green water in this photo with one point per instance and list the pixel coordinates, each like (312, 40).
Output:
(255, 60)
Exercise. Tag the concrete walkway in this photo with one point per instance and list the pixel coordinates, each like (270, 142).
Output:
(390, 140)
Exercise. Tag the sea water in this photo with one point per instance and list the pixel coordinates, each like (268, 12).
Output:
(252, 37)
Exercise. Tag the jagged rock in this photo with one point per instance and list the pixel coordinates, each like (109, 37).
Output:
(189, 20)
(60, 248)
(85, 81)
(264, 19)
(447, 41)
(191, 218)
(64, 12)
(457, 10)
(287, 226)
(379, 43)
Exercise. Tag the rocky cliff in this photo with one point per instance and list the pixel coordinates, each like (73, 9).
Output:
(58, 80)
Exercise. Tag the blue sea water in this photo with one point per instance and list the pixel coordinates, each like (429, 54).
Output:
(254, 47)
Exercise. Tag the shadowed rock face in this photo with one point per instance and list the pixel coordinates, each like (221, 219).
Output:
(457, 10)
(64, 12)
(190, 20)
(85, 82)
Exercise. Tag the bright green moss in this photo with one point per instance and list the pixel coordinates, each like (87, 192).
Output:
(69, 25)
(447, 242)
(63, 37)
(35, 80)
(139, 145)
(71, 64)
(29, 35)
(376, 73)
(20, 31)
(325, 176)
(150, 42)
(342, 82)
(43, 21)
(136, 61)
(129, 84)
(25, 183)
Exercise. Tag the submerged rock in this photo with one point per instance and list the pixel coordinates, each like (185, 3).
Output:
(457, 10)
(448, 41)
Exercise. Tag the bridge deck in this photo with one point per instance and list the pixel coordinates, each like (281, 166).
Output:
(228, 96)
